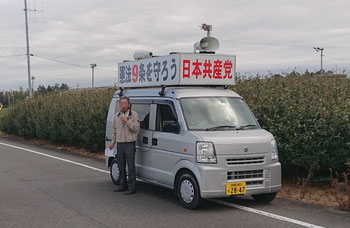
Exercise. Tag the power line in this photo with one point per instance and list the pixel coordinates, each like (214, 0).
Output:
(11, 47)
(106, 70)
(342, 59)
(17, 73)
(59, 61)
(103, 69)
(71, 64)
(279, 45)
(3, 56)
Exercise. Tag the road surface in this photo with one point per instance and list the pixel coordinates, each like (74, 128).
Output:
(42, 187)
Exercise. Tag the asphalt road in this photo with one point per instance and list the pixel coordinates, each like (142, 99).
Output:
(47, 188)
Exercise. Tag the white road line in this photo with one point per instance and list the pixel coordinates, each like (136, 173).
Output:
(54, 157)
(259, 212)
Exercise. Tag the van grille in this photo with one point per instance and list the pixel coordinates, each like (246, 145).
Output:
(242, 161)
(254, 182)
(249, 174)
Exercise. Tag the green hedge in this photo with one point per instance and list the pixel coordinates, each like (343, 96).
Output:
(3, 113)
(308, 115)
(75, 118)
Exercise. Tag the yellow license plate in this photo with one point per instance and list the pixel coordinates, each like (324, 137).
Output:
(237, 188)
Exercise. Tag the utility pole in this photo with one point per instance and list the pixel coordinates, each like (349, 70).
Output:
(93, 65)
(320, 50)
(28, 54)
(27, 40)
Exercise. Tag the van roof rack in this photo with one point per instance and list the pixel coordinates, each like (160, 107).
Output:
(120, 94)
(161, 93)
(163, 87)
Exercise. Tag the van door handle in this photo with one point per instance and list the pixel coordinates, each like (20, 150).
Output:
(154, 142)
(145, 140)
(108, 139)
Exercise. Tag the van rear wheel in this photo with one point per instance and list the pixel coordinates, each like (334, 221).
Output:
(114, 171)
(265, 198)
(188, 191)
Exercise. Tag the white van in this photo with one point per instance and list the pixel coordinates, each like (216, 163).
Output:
(200, 140)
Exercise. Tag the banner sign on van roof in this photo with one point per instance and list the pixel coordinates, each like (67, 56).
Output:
(178, 69)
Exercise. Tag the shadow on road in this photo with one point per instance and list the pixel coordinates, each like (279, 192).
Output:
(153, 192)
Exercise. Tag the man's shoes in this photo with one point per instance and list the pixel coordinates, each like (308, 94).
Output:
(120, 189)
(129, 192)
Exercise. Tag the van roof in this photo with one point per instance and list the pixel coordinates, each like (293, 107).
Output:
(178, 92)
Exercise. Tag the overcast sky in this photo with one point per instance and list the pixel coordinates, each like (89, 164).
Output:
(265, 35)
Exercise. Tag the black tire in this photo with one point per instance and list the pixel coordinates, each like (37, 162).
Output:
(114, 171)
(265, 198)
(188, 191)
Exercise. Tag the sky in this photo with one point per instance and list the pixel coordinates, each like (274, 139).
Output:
(267, 36)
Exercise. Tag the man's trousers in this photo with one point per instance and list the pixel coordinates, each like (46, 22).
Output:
(126, 155)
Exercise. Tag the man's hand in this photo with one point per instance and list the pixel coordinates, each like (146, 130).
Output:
(111, 146)
(123, 119)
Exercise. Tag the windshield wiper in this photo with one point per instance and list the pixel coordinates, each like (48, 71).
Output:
(245, 126)
(220, 127)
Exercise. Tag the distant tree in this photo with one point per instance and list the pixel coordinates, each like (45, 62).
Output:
(64, 87)
(323, 72)
(294, 73)
(2, 98)
(8, 98)
(49, 89)
(307, 73)
(276, 76)
(41, 89)
(56, 87)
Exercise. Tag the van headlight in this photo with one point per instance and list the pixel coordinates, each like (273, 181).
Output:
(274, 155)
(205, 152)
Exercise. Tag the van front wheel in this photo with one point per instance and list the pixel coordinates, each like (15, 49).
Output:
(265, 198)
(188, 191)
(115, 173)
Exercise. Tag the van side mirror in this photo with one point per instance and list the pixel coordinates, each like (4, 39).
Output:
(171, 126)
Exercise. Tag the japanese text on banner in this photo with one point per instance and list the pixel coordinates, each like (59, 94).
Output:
(148, 71)
(208, 68)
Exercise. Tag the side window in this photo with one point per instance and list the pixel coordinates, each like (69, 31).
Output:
(144, 111)
(117, 108)
(165, 116)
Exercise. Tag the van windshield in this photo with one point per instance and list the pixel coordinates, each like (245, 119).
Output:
(217, 113)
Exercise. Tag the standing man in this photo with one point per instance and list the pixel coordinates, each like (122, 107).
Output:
(125, 129)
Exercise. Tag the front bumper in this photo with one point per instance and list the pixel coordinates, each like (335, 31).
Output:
(260, 178)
